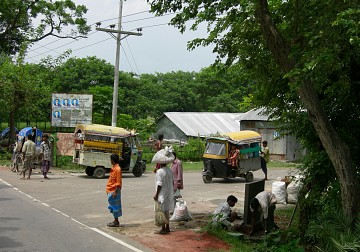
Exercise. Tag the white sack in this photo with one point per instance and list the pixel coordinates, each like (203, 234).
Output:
(279, 190)
(163, 156)
(181, 212)
(293, 190)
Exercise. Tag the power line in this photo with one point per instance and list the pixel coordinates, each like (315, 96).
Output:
(110, 19)
(122, 47)
(132, 56)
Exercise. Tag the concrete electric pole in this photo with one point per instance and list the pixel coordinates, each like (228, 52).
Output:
(117, 60)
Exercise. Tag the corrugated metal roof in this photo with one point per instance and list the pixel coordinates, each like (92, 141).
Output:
(253, 115)
(204, 123)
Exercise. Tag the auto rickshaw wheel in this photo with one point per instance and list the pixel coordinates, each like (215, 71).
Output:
(249, 177)
(207, 179)
(99, 172)
(138, 170)
(89, 171)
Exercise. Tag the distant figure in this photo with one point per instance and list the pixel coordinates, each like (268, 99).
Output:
(45, 154)
(33, 134)
(113, 190)
(223, 214)
(233, 156)
(265, 158)
(29, 152)
(178, 182)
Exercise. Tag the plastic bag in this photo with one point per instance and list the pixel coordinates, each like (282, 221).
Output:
(279, 190)
(163, 156)
(181, 212)
(159, 215)
(177, 194)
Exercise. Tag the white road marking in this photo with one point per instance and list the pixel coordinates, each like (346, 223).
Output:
(93, 229)
(116, 240)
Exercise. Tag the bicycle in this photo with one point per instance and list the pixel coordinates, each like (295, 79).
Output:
(17, 162)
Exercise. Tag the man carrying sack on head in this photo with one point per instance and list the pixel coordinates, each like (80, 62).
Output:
(164, 194)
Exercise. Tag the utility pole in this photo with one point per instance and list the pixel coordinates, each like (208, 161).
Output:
(117, 60)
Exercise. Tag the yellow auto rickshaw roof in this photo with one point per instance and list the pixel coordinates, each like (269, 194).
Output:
(244, 134)
(238, 137)
(98, 129)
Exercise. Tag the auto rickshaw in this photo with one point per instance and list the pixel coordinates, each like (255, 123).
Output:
(94, 143)
(217, 151)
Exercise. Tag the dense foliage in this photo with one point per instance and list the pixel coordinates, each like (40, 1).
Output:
(146, 96)
(303, 57)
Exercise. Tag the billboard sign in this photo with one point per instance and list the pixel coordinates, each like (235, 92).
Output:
(68, 110)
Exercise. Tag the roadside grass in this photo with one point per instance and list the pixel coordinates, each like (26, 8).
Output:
(285, 239)
(198, 166)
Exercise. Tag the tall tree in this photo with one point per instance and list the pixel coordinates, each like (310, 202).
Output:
(18, 25)
(309, 46)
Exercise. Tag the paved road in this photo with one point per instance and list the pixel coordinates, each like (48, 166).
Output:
(74, 207)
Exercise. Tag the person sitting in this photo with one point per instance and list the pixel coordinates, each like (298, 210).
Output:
(233, 156)
(223, 214)
(262, 208)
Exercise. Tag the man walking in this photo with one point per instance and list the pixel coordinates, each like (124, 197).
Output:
(45, 154)
(29, 153)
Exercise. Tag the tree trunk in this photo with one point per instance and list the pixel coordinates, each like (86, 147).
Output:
(12, 133)
(337, 150)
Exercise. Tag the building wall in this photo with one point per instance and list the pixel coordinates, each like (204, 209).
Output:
(281, 148)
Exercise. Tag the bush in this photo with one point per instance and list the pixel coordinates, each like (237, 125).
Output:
(192, 151)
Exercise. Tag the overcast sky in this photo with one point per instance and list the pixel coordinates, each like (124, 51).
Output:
(161, 48)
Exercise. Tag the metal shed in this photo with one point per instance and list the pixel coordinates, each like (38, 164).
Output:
(182, 125)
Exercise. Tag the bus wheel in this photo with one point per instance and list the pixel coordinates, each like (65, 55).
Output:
(99, 172)
(207, 179)
(249, 177)
(89, 171)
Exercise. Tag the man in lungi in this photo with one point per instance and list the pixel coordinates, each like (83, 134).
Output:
(28, 150)
(45, 154)
(113, 190)
(164, 194)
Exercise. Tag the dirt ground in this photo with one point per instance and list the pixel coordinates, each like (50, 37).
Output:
(185, 236)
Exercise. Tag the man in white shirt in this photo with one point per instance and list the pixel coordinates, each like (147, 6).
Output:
(223, 214)
(263, 204)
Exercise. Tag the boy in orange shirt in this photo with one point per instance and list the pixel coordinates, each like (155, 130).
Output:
(113, 190)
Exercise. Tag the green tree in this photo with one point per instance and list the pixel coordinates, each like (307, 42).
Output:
(18, 25)
(308, 48)
(78, 75)
(23, 92)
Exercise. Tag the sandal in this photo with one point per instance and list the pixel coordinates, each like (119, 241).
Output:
(163, 232)
(113, 224)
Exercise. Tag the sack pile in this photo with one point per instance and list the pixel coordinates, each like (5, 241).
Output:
(287, 191)
(181, 212)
